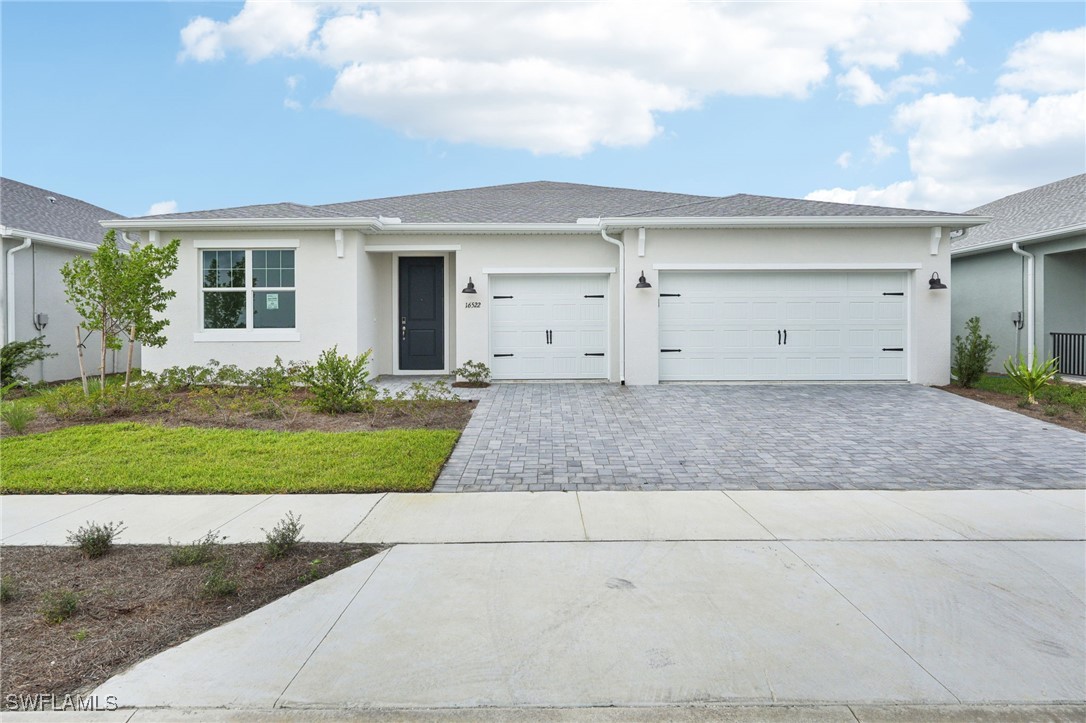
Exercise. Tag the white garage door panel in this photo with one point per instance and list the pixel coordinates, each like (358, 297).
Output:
(729, 326)
(572, 307)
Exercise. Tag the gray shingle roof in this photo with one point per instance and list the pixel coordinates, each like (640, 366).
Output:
(548, 202)
(1045, 208)
(742, 204)
(534, 202)
(33, 209)
(285, 209)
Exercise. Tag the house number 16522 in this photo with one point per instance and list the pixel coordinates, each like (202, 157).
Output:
(472, 304)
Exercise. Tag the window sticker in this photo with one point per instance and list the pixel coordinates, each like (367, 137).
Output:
(272, 302)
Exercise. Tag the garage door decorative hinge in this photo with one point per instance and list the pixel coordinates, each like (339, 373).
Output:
(893, 348)
(503, 297)
(665, 351)
(670, 294)
(593, 296)
(893, 293)
(593, 353)
(497, 355)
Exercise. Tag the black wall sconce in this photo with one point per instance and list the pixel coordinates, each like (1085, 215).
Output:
(470, 288)
(642, 283)
(935, 282)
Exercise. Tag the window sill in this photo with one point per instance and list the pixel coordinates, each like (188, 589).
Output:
(230, 335)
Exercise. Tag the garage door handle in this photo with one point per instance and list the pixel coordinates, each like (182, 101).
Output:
(593, 353)
(893, 293)
(670, 294)
(667, 351)
(497, 355)
(593, 296)
(893, 348)
(778, 337)
(786, 337)
(503, 297)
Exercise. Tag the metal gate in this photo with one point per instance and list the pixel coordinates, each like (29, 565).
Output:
(1070, 348)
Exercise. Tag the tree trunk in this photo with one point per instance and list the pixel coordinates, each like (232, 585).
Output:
(82, 368)
(131, 347)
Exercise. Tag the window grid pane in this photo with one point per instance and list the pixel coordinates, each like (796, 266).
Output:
(273, 269)
(224, 269)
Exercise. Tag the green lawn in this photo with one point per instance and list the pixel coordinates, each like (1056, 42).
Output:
(1071, 395)
(141, 458)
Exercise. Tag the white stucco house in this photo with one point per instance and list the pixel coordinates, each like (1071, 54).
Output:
(550, 280)
(43, 230)
(1024, 274)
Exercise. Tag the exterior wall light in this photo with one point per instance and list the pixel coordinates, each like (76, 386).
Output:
(642, 283)
(470, 288)
(935, 282)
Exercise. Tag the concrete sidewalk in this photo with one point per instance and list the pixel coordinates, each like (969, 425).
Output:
(562, 516)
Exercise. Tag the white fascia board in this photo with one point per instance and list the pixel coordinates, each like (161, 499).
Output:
(66, 243)
(549, 271)
(797, 222)
(490, 228)
(393, 248)
(180, 224)
(1052, 234)
(247, 243)
(899, 266)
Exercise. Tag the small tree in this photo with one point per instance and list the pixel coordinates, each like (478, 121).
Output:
(972, 355)
(118, 293)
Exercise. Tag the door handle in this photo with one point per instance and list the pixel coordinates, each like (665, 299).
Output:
(778, 337)
(403, 328)
(786, 337)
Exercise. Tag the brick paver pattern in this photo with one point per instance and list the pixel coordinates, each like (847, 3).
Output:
(594, 436)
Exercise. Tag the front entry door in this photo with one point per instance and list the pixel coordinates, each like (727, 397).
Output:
(422, 313)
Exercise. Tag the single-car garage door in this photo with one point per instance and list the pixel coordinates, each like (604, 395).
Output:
(782, 325)
(548, 326)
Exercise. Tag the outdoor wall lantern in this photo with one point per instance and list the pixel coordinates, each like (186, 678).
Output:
(470, 288)
(935, 282)
(642, 283)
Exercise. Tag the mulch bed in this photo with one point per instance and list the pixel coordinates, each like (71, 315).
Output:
(298, 417)
(1056, 414)
(131, 606)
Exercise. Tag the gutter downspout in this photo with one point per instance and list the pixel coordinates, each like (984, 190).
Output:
(9, 328)
(621, 304)
(1030, 294)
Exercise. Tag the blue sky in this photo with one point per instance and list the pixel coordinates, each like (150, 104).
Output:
(204, 105)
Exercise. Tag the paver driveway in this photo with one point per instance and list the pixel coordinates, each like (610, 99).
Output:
(766, 436)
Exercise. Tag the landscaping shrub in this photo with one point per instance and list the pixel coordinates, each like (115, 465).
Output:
(284, 537)
(67, 402)
(9, 589)
(473, 373)
(95, 540)
(17, 415)
(58, 605)
(18, 355)
(218, 583)
(972, 355)
(312, 572)
(199, 552)
(340, 384)
(1030, 376)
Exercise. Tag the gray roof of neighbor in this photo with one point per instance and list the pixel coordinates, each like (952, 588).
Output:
(33, 209)
(1051, 207)
(549, 202)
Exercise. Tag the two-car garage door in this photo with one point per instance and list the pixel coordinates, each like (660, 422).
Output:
(801, 325)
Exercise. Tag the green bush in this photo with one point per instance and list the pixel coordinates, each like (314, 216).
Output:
(67, 402)
(95, 540)
(972, 355)
(284, 537)
(474, 373)
(18, 355)
(218, 582)
(17, 415)
(9, 589)
(340, 384)
(1030, 376)
(199, 552)
(58, 605)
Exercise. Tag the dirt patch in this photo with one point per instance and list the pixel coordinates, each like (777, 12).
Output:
(1054, 413)
(131, 605)
(471, 385)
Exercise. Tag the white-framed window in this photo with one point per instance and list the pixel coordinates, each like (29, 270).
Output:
(248, 288)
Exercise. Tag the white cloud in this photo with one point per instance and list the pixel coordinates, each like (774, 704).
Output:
(880, 149)
(293, 81)
(567, 77)
(858, 86)
(291, 104)
(161, 207)
(844, 160)
(1051, 62)
(964, 151)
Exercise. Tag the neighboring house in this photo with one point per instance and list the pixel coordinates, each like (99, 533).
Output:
(543, 281)
(42, 231)
(1024, 274)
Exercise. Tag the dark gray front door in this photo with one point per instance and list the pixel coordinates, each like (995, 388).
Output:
(422, 313)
